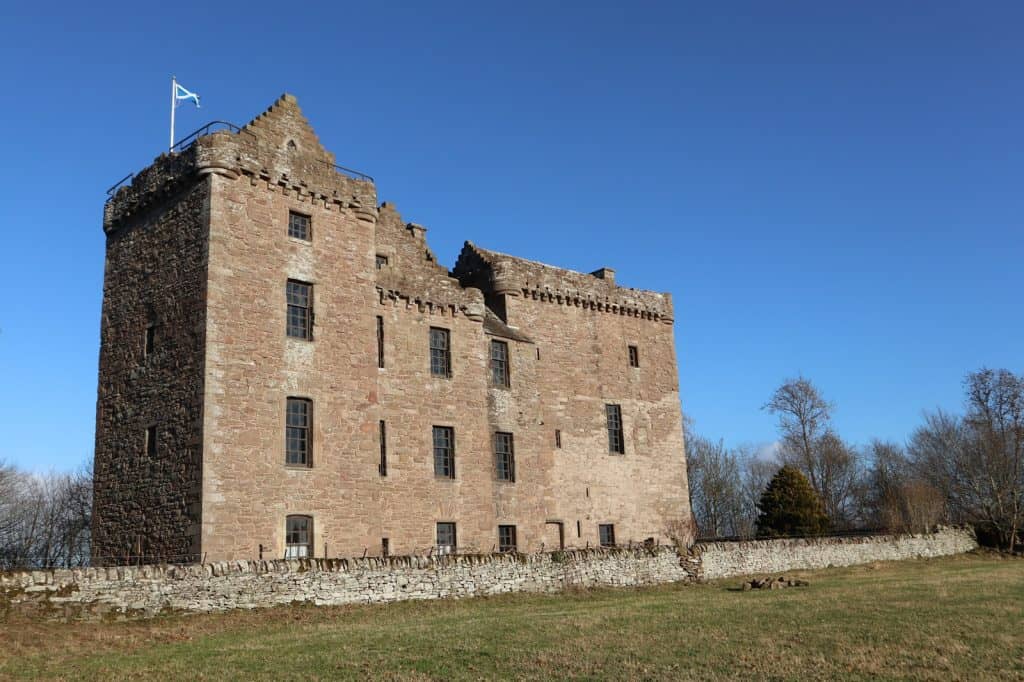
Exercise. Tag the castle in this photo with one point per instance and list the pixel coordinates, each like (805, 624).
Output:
(287, 371)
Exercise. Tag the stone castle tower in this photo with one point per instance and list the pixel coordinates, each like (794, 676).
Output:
(284, 365)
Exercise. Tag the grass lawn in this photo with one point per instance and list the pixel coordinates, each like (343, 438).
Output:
(953, 618)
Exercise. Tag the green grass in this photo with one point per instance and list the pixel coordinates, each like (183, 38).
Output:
(955, 618)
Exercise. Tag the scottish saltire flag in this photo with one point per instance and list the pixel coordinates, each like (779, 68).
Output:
(181, 93)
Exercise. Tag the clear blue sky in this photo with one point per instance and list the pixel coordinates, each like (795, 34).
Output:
(825, 188)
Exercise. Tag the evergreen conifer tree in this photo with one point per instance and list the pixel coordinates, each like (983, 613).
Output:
(789, 506)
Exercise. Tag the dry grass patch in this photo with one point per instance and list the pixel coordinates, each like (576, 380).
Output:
(954, 618)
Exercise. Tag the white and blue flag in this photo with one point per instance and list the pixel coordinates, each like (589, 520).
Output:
(181, 93)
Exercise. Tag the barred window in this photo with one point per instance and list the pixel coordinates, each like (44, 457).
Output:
(440, 352)
(444, 451)
(446, 538)
(634, 356)
(298, 537)
(381, 261)
(558, 438)
(499, 363)
(506, 538)
(607, 534)
(300, 310)
(504, 455)
(151, 441)
(298, 226)
(616, 442)
(298, 432)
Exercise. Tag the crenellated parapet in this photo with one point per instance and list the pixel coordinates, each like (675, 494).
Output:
(501, 274)
(278, 149)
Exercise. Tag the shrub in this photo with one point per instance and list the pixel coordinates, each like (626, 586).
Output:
(789, 506)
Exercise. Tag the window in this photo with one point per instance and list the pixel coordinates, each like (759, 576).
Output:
(298, 537)
(298, 226)
(634, 356)
(505, 458)
(616, 443)
(506, 538)
(446, 538)
(558, 438)
(444, 451)
(385, 547)
(499, 363)
(579, 529)
(383, 466)
(300, 310)
(440, 352)
(298, 432)
(151, 441)
(150, 344)
(381, 261)
(380, 341)
(607, 534)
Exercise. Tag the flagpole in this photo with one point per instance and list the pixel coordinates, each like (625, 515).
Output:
(174, 90)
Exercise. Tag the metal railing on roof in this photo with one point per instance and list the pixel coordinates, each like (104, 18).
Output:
(211, 127)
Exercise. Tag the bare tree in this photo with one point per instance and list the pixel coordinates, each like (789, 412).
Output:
(715, 492)
(44, 518)
(977, 462)
(808, 443)
(894, 496)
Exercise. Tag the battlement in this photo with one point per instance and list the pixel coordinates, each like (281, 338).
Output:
(502, 274)
(278, 147)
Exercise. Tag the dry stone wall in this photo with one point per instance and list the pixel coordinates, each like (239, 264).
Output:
(714, 560)
(148, 590)
(219, 586)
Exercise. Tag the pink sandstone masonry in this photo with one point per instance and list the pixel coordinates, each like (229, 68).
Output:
(148, 590)
(199, 254)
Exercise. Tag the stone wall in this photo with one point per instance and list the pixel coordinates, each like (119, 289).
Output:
(714, 560)
(218, 586)
(147, 590)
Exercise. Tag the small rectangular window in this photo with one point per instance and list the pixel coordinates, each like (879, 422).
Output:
(298, 226)
(380, 341)
(507, 539)
(446, 538)
(504, 455)
(634, 356)
(499, 364)
(150, 344)
(558, 438)
(385, 547)
(299, 432)
(300, 310)
(381, 261)
(616, 442)
(298, 537)
(579, 529)
(151, 441)
(440, 352)
(444, 451)
(607, 533)
(383, 466)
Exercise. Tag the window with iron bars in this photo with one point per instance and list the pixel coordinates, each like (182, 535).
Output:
(505, 457)
(444, 451)
(300, 310)
(634, 356)
(440, 352)
(616, 441)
